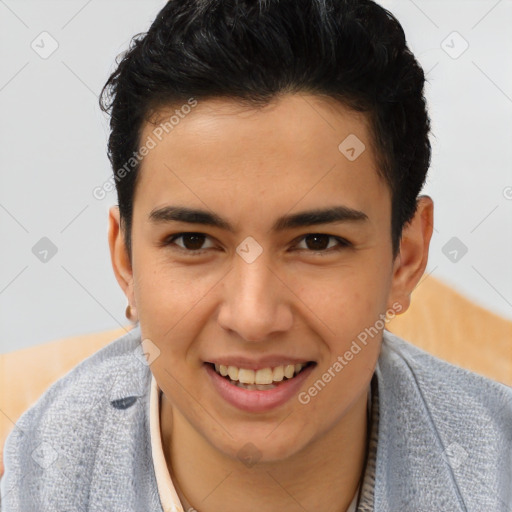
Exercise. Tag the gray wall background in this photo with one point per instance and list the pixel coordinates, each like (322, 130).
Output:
(53, 154)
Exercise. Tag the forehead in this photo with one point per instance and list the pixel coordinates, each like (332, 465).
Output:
(300, 148)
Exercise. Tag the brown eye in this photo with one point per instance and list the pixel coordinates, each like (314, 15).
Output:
(191, 242)
(317, 242)
(320, 242)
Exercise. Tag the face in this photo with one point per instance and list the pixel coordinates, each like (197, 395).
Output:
(256, 243)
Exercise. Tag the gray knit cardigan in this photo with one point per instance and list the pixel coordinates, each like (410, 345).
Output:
(444, 440)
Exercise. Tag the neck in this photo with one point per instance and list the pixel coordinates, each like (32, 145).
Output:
(324, 475)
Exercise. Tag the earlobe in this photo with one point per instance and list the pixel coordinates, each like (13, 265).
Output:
(411, 262)
(119, 255)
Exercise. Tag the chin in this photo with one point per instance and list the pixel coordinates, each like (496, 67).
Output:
(258, 447)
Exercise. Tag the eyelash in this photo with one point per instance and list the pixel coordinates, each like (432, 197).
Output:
(169, 242)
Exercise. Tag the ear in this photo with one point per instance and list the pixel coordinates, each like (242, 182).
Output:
(119, 255)
(411, 261)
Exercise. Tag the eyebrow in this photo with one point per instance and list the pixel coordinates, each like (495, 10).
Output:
(302, 219)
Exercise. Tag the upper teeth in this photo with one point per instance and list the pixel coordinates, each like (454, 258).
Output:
(262, 376)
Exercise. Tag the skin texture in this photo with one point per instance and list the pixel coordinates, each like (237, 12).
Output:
(250, 167)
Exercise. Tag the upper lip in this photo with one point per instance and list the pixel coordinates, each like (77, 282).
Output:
(270, 361)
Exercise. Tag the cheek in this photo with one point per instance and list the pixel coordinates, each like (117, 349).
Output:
(165, 286)
(169, 300)
(349, 311)
(345, 300)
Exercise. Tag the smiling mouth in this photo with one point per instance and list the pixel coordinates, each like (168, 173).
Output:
(261, 380)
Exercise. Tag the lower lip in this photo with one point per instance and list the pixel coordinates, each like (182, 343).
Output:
(253, 400)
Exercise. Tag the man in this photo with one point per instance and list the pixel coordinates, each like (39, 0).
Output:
(268, 158)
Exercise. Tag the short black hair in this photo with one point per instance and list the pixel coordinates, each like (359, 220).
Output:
(253, 51)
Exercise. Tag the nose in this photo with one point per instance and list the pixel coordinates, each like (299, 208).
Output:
(256, 302)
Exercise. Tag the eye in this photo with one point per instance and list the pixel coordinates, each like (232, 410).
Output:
(320, 242)
(191, 242)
